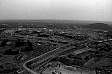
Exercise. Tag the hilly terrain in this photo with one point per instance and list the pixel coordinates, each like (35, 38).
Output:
(58, 23)
(100, 26)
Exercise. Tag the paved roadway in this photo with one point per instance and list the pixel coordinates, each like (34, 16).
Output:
(37, 61)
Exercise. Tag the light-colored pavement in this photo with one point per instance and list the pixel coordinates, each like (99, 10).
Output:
(63, 69)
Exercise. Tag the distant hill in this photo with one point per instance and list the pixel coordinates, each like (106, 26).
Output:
(83, 22)
(59, 23)
(101, 26)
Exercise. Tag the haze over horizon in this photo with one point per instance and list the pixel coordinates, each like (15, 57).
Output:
(93, 10)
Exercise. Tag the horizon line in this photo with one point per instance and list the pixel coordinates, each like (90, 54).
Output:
(4, 20)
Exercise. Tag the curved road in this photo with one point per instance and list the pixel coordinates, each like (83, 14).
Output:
(39, 60)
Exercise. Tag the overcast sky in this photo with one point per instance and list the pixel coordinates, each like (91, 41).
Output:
(99, 10)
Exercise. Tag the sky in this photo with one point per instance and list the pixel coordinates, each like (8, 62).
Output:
(96, 10)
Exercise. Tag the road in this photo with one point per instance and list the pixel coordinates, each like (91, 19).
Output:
(37, 61)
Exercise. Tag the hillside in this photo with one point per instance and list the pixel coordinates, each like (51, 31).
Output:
(101, 26)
